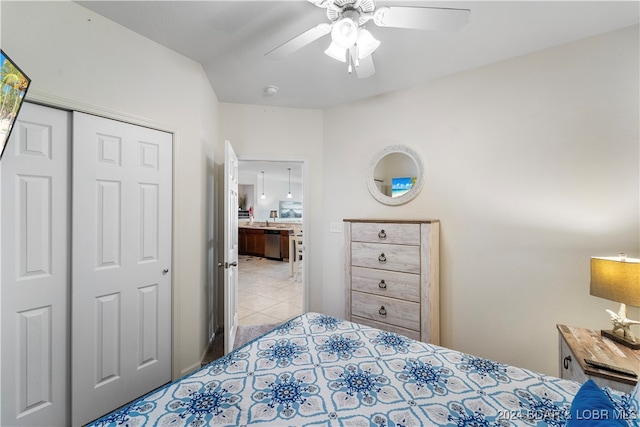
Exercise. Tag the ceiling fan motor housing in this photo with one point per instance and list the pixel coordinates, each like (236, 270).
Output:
(354, 9)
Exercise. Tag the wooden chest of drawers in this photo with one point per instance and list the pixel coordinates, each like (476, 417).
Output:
(392, 276)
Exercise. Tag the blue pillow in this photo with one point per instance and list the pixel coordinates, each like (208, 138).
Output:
(592, 408)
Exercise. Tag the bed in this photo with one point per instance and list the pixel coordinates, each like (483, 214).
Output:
(317, 370)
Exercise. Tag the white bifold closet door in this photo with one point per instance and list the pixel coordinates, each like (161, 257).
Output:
(85, 293)
(121, 251)
(35, 279)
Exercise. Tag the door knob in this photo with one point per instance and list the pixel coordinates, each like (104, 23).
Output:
(227, 264)
(165, 271)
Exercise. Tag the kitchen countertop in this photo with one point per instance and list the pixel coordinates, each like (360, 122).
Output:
(284, 227)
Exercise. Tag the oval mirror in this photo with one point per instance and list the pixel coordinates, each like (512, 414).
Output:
(395, 175)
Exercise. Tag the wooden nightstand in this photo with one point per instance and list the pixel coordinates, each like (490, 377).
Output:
(577, 344)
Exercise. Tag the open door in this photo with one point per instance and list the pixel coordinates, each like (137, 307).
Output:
(230, 246)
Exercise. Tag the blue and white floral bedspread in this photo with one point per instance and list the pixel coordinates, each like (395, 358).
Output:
(317, 370)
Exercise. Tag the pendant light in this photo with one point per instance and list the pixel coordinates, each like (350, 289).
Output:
(289, 193)
(263, 196)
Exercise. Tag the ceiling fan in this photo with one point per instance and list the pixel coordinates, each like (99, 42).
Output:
(353, 44)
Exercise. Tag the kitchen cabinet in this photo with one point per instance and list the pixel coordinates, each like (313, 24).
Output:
(242, 241)
(251, 241)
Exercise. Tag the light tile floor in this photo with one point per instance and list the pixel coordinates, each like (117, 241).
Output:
(266, 293)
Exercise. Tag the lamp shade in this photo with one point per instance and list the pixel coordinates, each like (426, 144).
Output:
(273, 214)
(616, 279)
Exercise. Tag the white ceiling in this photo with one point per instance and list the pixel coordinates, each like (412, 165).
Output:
(230, 39)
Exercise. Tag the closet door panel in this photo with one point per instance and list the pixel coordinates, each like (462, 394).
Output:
(121, 261)
(35, 274)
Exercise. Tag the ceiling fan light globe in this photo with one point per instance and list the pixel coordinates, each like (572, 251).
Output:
(344, 33)
(367, 44)
(336, 52)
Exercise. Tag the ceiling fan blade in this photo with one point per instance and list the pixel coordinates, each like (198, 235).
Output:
(422, 18)
(365, 68)
(299, 41)
(320, 3)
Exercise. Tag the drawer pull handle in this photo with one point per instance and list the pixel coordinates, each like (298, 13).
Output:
(382, 235)
(566, 361)
(382, 284)
(382, 259)
(382, 311)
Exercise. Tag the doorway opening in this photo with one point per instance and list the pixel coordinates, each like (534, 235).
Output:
(270, 241)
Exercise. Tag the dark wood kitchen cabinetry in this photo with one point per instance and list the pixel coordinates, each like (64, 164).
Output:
(251, 242)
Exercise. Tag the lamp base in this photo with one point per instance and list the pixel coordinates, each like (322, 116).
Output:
(621, 340)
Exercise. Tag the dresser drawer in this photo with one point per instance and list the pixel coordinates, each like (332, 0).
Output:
(403, 234)
(405, 314)
(392, 284)
(386, 257)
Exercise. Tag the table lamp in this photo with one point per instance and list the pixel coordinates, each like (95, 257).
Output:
(273, 215)
(618, 279)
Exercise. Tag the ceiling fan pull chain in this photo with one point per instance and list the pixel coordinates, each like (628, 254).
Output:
(352, 58)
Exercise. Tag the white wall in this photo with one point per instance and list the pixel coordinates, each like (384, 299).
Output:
(78, 58)
(532, 165)
(277, 193)
(271, 133)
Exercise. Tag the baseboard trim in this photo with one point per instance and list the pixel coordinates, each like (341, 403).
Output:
(190, 369)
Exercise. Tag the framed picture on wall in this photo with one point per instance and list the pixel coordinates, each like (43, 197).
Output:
(13, 87)
(289, 209)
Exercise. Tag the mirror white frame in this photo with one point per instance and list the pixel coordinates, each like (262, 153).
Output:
(409, 195)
